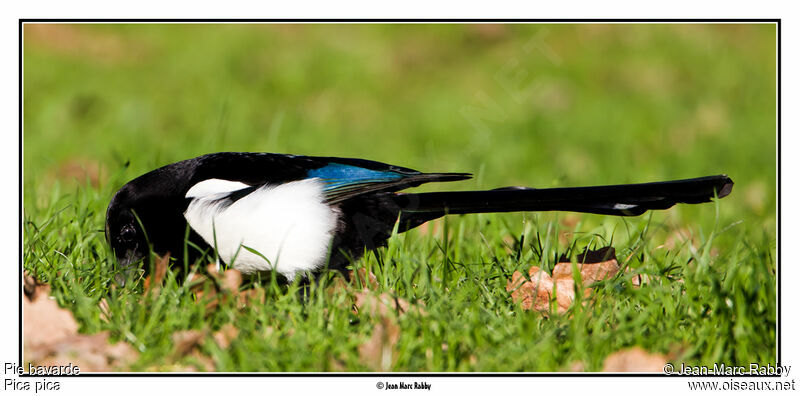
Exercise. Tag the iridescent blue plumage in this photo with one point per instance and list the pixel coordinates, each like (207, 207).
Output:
(345, 181)
(352, 174)
(340, 176)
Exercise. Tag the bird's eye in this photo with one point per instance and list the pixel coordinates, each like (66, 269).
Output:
(127, 233)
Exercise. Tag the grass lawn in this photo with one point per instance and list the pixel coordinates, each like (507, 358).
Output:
(533, 105)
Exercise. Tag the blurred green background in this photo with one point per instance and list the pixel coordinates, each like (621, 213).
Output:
(523, 104)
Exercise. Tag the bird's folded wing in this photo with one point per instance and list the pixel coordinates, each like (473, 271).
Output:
(343, 181)
(342, 178)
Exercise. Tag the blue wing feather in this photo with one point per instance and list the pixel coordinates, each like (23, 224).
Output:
(339, 177)
(340, 173)
(345, 181)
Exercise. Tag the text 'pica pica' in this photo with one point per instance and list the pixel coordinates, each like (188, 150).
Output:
(297, 214)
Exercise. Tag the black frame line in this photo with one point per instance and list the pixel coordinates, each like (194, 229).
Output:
(776, 21)
(21, 219)
(778, 195)
(409, 20)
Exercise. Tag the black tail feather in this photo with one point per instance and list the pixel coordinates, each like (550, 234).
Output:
(619, 200)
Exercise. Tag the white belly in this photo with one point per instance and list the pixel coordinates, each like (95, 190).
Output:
(288, 224)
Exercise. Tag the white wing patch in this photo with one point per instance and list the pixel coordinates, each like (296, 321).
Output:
(288, 224)
(214, 186)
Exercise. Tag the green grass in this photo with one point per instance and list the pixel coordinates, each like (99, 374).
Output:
(541, 106)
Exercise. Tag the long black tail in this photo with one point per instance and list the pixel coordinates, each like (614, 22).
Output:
(619, 200)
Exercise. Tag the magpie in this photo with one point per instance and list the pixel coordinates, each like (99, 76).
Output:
(301, 214)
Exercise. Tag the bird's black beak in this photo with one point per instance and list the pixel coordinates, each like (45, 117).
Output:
(129, 262)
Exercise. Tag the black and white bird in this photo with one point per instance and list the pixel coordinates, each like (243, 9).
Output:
(300, 214)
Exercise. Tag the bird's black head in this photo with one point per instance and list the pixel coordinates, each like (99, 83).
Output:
(147, 213)
(124, 231)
